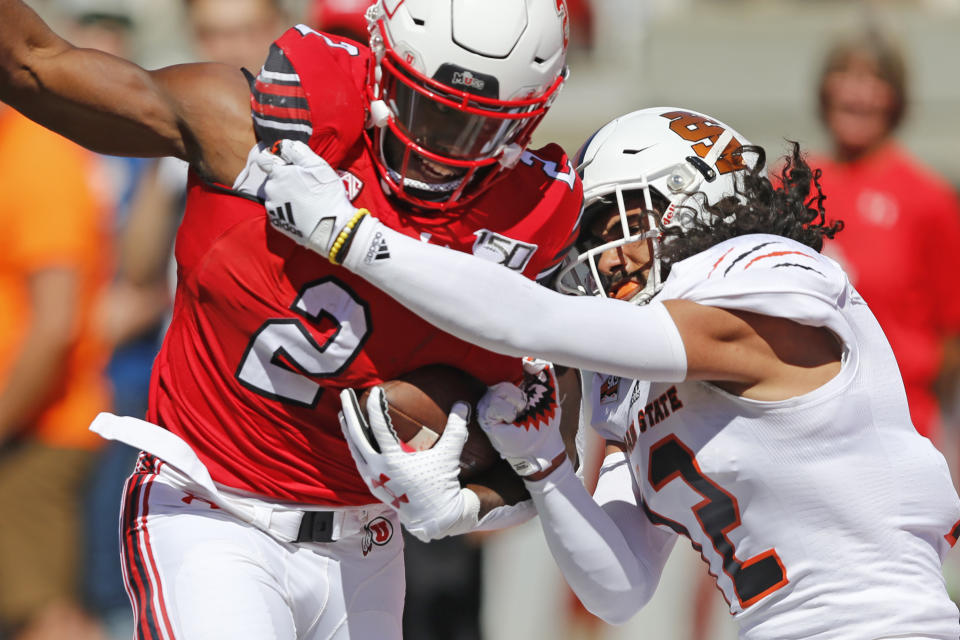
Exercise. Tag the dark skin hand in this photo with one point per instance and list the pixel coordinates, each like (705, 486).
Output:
(197, 112)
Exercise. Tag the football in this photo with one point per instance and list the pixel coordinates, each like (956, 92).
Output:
(419, 402)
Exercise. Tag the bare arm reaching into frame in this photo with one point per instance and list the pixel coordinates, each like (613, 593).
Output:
(196, 112)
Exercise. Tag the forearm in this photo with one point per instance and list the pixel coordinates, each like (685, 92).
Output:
(38, 367)
(611, 577)
(100, 101)
(35, 373)
(498, 309)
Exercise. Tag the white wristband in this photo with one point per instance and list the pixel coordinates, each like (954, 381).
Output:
(469, 518)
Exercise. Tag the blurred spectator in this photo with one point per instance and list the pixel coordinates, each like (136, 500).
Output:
(128, 318)
(443, 588)
(346, 18)
(134, 311)
(53, 266)
(235, 32)
(131, 316)
(901, 246)
(341, 17)
(581, 23)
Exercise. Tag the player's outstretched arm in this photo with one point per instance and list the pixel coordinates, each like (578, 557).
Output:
(610, 554)
(199, 113)
(501, 311)
(475, 300)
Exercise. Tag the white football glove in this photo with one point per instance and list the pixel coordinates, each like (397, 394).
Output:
(421, 485)
(523, 423)
(306, 200)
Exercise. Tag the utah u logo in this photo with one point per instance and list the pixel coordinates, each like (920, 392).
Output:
(378, 531)
(189, 498)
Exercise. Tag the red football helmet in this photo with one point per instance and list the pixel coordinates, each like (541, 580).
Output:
(457, 88)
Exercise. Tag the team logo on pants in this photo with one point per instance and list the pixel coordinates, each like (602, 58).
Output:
(378, 531)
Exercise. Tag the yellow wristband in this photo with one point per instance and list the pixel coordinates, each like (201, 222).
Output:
(345, 235)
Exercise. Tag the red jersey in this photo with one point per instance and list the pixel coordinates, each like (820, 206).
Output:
(265, 333)
(901, 248)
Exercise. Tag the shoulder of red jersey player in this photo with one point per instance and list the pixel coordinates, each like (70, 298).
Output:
(542, 194)
(531, 210)
(544, 176)
(312, 88)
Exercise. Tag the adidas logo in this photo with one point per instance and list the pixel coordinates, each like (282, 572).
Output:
(378, 249)
(283, 222)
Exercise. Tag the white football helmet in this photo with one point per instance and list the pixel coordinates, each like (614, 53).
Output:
(457, 88)
(668, 155)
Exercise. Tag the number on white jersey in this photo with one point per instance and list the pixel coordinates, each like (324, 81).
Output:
(718, 514)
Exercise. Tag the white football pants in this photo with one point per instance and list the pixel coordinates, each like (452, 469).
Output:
(203, 563)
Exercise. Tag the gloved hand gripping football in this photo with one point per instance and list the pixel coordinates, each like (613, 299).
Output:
(523, 423)
(421, 485)
(306, 200)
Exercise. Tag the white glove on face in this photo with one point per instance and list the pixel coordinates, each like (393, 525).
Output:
(523, 423)
(306, 200)
(421, 485)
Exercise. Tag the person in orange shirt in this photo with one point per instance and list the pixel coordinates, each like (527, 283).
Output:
(54, 262)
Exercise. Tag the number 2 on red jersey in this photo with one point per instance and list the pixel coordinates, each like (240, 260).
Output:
(283, 358)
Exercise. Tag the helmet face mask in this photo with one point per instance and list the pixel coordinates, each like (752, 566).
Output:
(614, 222)
(676, 161)
(454, 95)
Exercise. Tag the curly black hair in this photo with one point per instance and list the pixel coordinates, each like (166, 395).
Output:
(793, 209)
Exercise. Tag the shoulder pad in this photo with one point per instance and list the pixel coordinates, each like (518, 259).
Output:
(765, 274)
(311, 88)
(552, 164)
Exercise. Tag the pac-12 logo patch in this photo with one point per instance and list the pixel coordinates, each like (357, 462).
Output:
(377, 532)
(351, 183)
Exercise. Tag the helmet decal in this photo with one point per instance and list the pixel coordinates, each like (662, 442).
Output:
(694, 127)
(643, 173)
(565, 17)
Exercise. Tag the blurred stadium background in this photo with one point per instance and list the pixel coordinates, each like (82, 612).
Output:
(751, 63)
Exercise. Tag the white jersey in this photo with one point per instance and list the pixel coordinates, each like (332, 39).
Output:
(823, 516)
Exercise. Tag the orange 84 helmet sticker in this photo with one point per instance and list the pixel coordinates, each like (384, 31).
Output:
(704, 132)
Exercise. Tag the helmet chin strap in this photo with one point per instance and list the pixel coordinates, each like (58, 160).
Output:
(379, 114)
(511, 155)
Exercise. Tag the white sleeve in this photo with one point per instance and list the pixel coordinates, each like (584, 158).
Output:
(506, 516)
(609, 552)
(486, 304)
